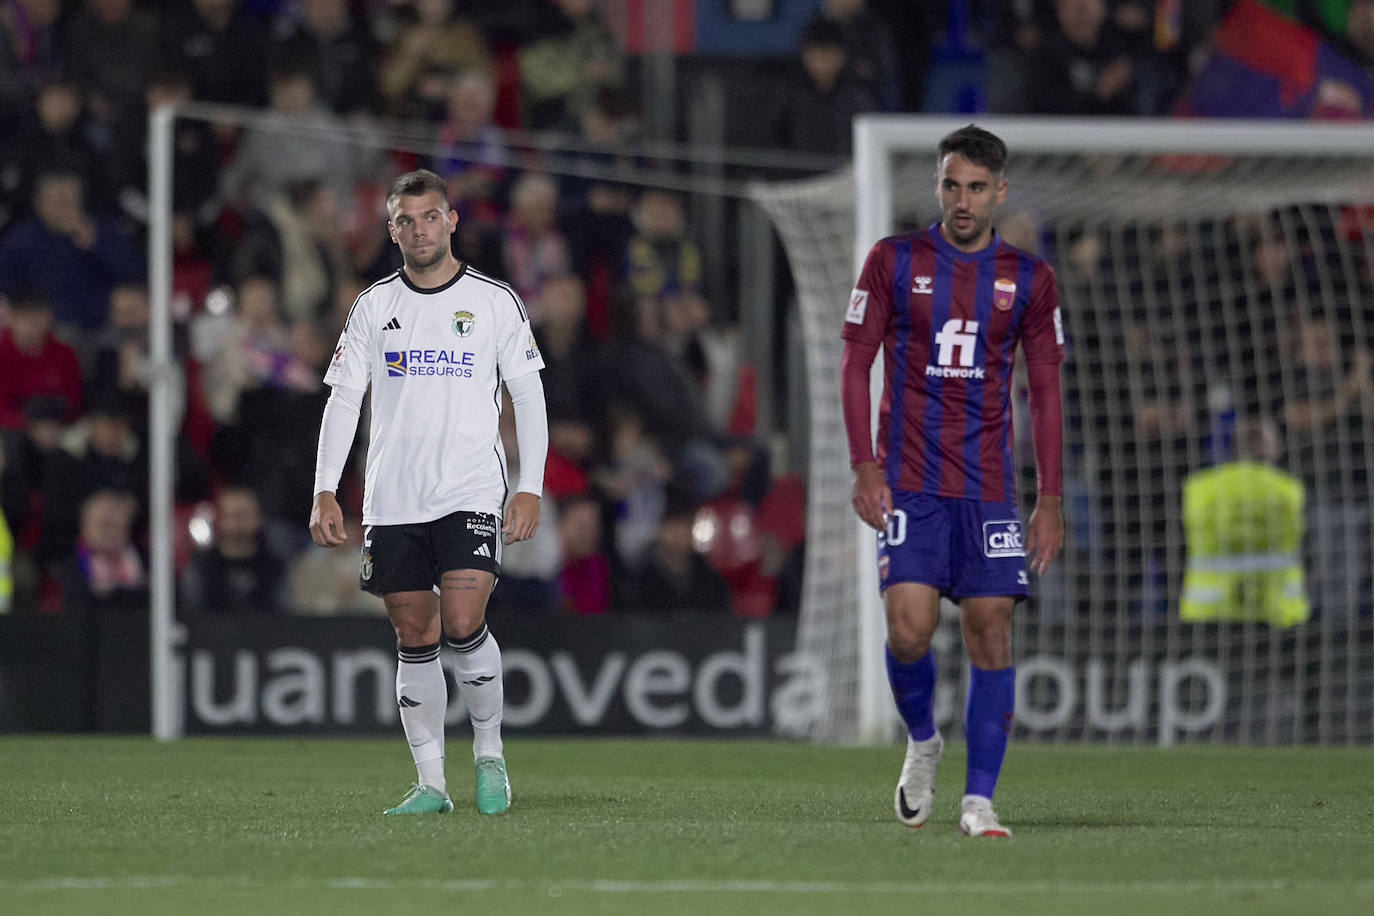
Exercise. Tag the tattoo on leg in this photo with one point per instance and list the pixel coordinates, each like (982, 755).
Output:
(458, 581)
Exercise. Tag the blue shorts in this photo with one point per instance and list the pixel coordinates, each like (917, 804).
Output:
(964, 547)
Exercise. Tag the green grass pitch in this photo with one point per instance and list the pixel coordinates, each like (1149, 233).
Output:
(96, 825)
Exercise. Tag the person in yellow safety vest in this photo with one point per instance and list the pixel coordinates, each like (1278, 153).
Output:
(6, 566)
(1244, 524)
(6, 554)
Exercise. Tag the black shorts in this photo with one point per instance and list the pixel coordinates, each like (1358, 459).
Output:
(412, 558)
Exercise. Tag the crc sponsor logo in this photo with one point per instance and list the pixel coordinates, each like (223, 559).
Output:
(448, 363)
(956, 342)
(1003, 538)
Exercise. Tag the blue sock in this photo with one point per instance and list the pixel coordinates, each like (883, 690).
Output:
(987, 722)
(913, 687)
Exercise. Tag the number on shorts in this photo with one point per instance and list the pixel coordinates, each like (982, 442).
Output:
(896, 527)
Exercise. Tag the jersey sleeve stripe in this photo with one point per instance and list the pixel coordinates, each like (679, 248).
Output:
(478, 275)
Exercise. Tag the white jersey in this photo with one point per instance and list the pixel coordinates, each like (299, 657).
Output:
(435, 359)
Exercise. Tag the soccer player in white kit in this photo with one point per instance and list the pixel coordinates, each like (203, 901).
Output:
(436, 341)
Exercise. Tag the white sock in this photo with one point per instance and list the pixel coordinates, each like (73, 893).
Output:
(422, 694)
(480, 685)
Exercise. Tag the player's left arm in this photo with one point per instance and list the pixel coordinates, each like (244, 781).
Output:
(532, 438)
(1043, 343)
(519, 360)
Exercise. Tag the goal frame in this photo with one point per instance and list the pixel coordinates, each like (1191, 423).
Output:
(878, 136)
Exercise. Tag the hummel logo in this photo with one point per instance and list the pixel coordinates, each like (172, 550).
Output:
(922, 285)
(392, 325)
(479, 681)
(482, 551)
(407, 702)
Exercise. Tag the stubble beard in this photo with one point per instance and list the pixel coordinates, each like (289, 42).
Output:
(416, 265)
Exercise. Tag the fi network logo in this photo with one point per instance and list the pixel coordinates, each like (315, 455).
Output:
(957, 341)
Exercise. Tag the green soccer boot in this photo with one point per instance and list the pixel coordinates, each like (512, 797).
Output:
(493, 788)
(422, 800)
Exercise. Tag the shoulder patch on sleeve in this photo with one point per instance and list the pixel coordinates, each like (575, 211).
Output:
(858, 304)
(1058, 327)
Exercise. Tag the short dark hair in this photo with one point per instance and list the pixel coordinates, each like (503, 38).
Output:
(823, 33)
(28, 298)
(978, 146)
(413, 184)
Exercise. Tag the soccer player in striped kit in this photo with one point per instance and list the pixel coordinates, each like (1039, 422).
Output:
(947, 306)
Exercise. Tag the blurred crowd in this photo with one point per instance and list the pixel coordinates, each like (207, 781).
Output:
(662, 493)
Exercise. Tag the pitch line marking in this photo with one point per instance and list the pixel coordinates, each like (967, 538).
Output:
(685, 886)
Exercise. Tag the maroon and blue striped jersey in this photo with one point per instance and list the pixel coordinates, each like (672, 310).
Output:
(948, 323)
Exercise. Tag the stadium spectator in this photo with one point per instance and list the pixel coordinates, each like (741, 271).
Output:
(661, 259)
(569, 351)
(240, 343)
(195, 154)
(1330, 401)
(237, 573)
(535, 247)
(275, 438)
(814, 112)
(104, 571)
(298, 141)
(295, 240)
(1359, 33)
(529, 569)
(571, 55)
(6, 551)
(335, 48)
(77, 256)
(30, 53)
(54, 136)
(671, 577)
(1244, 525)
(220, 44)
(633, 478)
(472, 158)
(871, 47)
(597, 208)
(427, 56)
(108, 47)
(323, 582)
(33, 362)
(29, 460)
(99, 452)
(584, 577)
(1082, 66)
(120, 359)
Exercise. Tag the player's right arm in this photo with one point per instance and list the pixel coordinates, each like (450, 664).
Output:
(337, 428)
(349, 374)
(865, 326)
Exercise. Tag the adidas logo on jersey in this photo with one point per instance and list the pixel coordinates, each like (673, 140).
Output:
(482, 551)
(392, 325)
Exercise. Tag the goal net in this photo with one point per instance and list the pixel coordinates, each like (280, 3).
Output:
(1218, 301)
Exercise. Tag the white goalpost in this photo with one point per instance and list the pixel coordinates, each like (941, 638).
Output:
(1194, 258)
